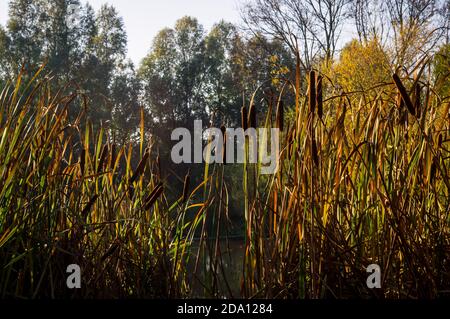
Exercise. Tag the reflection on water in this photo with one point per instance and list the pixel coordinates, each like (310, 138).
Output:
(229, 268)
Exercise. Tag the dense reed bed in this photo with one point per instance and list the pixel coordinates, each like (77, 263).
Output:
(71, 196)
(362, 181)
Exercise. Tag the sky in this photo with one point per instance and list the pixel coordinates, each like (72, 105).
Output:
(144, 18)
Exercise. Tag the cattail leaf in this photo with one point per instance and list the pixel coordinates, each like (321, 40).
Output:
(187, 180)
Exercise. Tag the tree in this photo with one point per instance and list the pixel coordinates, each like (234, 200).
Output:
(125, 89)
(361, 66)
(310, 27)
(441, 68)
(26, 37)
(83, 51)
(409, 29)
(172, 75)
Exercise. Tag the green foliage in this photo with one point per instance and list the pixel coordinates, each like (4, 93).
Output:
(441, 69)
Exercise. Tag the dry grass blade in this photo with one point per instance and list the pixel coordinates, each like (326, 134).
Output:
(186, 186)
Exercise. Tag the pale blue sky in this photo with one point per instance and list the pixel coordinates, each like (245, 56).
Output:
(144, 18)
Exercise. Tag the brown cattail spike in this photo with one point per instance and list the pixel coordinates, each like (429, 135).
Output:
(110, 250)
(154, 195)
(224, 144)
(82, 161)
(89, 205)
(113, 156)
(417, 98)
(319, 96)
(244, 117)
(315, 153)
(312, 92)
(280, 115)
(141, 167)
(404, 94)
(252, 116)
(103, 156)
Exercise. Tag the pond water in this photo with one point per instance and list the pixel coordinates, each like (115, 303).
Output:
(229, 268)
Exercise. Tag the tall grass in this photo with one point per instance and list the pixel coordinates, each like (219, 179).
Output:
(71, 196)
(362, 180)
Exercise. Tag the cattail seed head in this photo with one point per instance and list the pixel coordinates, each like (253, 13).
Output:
(404, 94)
(113, 155)
(89, 205)
(280, 115)
(312, 91)
(252, 117)
(417, 98)
(319, 96)
(141, 167)
(103, 156)
(82, 161)
(244, 118)
(154, 195)
(315, 153)
(224, 146)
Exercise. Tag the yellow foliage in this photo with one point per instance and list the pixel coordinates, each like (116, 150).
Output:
(361, 66)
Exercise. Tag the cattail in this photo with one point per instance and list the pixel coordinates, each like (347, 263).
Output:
(319, 96)
(113, 155)
(440, 140)
(130, 192)
(103, 156)
(82, 161)
(315, 153)
(280, 115)
(110, 250)
(89, 205)
(224, 146)
(404, 94)
(244, 117)
(433, 169)
(141, 167)
(312, 91)
(252, 116)
(417, 97)
(154, 195)
(187, 181)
